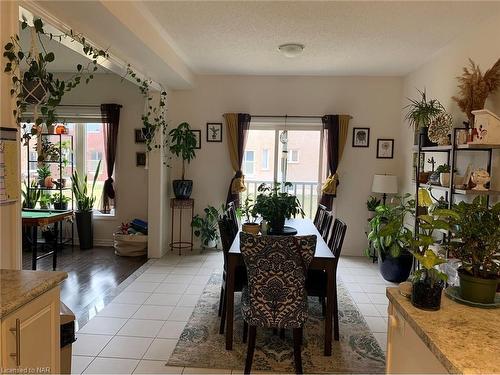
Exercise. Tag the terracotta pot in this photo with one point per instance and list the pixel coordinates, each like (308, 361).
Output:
(252, 228)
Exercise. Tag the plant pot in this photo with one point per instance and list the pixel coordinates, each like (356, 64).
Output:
(84, 226)
(211, 244)
(61, 182)
(426, 296)
(277, 225)
(182, 188)
(476, 289)
(61, 206)
(423, 177)
(34, 91)
(444, 179)
(252, 228)
(395, 269)
(434, 178)
(424, 137)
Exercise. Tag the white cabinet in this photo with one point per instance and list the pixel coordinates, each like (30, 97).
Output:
(406, 352)
(30, 336)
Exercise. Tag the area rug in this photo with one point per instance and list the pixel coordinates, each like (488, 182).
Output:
(201, 345)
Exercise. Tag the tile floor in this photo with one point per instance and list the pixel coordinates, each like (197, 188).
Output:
(138, 330)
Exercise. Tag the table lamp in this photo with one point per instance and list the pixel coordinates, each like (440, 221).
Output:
(385, 184)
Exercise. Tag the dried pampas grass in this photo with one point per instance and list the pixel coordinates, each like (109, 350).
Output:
(474, 88)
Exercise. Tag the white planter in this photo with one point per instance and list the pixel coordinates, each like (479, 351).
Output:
(444, 179)
(211, 244)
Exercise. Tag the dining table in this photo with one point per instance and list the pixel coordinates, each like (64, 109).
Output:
(323, 260)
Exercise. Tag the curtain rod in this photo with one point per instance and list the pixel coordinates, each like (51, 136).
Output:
(287, 116)
(83, 105)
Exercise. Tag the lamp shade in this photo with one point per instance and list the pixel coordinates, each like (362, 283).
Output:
(385, 183)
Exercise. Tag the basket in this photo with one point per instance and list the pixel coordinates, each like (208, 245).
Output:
(128, 245)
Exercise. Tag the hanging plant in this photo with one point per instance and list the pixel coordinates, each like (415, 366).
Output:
(37, 86)
(154, 118)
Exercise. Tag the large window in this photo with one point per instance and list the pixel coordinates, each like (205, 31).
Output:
(265, 159)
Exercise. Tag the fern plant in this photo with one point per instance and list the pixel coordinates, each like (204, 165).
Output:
(84, 200)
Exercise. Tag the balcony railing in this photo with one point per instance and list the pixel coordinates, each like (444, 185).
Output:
(306, 192)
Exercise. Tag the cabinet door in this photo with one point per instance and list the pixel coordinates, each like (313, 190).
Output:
(31, 335)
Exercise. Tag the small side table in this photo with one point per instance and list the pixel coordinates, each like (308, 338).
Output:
(181, 205)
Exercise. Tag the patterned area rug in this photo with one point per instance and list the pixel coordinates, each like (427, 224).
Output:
(201, 345)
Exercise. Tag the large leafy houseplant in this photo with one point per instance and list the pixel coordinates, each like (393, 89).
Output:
(206, 227)
(476, 243)
(275, 205)
(183, 145)
(420, 113)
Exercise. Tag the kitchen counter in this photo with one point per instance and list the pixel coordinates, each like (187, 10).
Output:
(20, 287)
(463, 339)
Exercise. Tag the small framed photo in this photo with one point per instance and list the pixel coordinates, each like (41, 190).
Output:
(140, 159)
(361, 137)
(139, 136)
(197, 134)
(385, 148)
(214, 132)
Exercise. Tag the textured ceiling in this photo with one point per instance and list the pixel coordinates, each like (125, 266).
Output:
(341, 38)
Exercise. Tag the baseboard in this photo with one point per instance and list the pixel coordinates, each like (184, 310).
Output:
(103, 242)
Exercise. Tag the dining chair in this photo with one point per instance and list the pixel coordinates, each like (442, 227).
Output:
(227, 234)
(231, 212)
(318, 217)
(316, 283)
(326, 225)
(276, 296)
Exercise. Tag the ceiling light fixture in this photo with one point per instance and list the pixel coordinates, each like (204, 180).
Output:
(291, 49)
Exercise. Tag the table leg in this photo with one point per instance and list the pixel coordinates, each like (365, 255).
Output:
(34, 250)
(329, 311)
(231, 269)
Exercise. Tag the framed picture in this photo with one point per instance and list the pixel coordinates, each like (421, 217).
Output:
(140, 159)
(139, 136)
(214, 132)
(197, 134)
(360, 137)
(385, 148)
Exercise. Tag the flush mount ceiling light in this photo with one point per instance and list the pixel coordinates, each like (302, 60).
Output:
(291, 49)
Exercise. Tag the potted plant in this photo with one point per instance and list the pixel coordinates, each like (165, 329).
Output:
(275, 205)
(248, 211)
(43, 172)
(371, 204)
(84, 207)
(420, 113)
(476, 243)
(389, 235)
(30, 195)
(444, 174)
(183, 146)
(59, 201)
(207, 227)
(45, 201)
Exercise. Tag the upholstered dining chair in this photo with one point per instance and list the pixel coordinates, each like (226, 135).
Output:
(276, 296)
(318, 217)
(317, 280)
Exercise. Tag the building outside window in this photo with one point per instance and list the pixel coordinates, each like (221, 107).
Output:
(249, 163)
(265, 159)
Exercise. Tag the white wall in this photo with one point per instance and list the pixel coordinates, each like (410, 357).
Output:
(131, 182)
(372, 101)
(438, 76)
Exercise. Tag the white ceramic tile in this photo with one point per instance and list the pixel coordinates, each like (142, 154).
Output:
(141, 328)
(152, 277)
(161, 349)
(378, 298)
(175, 288)
(195, 289)
(163, 299)
(207, 270)
(141, 286)
(171, 330)
(200, 280)
(185, 271)
(360, 297)
(179, 279)
(382, 309)
(381, 339)
(181, 314)
(112, 366)
(79, 363)
(118, 310)
(126, 347)
(374, 288)
(133, 298)
(349, 278)
(188, 300)
(103, 326)
(146, 366)
(89, 345)
(194, 370)
(153, 312)
(163, 270)
(353, 287)
(168, 261)
(376, 324)
(368, 309)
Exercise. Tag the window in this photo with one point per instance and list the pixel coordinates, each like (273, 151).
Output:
(94, 151)
(293, 156)
(265, 159)
(248, 163)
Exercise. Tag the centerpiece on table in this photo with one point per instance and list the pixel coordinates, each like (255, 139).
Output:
(275, 205)
(248, 211)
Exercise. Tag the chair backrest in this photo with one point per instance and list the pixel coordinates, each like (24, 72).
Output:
(337, 238)
(228, 230)
(277, 268)
(318, 217)
(231, 213)
(326, 225)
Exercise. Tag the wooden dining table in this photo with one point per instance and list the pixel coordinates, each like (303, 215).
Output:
(323, 260)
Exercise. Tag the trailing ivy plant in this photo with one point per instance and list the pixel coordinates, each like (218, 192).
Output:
(37, 85)
(154, 118)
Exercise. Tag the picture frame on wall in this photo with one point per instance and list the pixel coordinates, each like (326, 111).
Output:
(385, 148)
(361, 137)
(197, 134)
(214, 132)
(139, 136)
(140, 159)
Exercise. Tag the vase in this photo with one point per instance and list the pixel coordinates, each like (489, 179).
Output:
(424, 137)
(444, 179)
(84, 226)
(395, 269)
(426, 295)
(182, 188)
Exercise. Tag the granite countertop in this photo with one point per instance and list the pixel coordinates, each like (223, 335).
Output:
(464, 339)
(20, 287)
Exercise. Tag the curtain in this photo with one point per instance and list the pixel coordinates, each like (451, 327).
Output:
(237, 132)
(336, 128)
(110, 114)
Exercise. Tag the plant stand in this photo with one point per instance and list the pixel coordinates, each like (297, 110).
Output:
(181, 205)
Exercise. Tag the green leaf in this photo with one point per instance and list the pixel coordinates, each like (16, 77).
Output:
(8, 46)
(49, 57)
(38, 24)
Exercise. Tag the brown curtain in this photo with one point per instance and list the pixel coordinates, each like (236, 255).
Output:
(336, 128)
(110, 114)
(237, 132)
